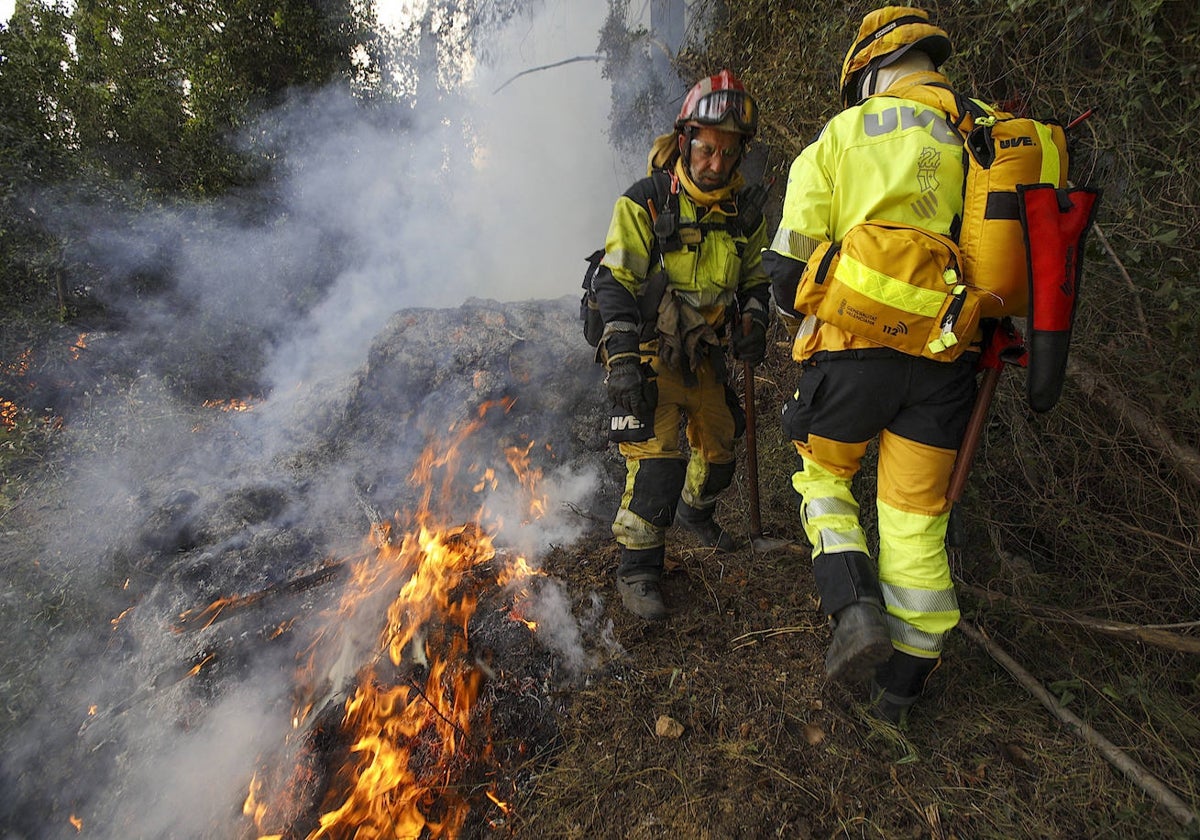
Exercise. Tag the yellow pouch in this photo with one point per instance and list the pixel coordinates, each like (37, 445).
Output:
(895, 285)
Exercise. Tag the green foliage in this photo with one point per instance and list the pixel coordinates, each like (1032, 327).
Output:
(627, 65)
(105, 99)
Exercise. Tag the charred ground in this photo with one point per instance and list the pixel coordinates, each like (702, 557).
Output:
(767, 746)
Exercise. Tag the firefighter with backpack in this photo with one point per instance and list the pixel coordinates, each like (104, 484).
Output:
(878, 192)
(681, 273)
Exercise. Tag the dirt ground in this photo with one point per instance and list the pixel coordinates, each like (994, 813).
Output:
(718, 723)
(769, 748)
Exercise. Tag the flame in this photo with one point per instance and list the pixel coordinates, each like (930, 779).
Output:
(205, 617)
(20, 367)
(199, 666)
(75, 821)
(10, 412)
(115, 622)
(529, 476)
(230, 405)
(412, 722)
(79, 346)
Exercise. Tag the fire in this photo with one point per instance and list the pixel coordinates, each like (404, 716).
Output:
(411, 721)
(199, 666)
(206, 617)
(10, 412)
(76, 822)
(230, 405)
(20, 367)
(79, 346)
(115, 622)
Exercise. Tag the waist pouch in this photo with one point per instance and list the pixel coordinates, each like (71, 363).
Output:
(895, 285)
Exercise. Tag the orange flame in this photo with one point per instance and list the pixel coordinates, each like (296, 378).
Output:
(229, 405)
(21, 366)
(412, 739)
(79, 346)
(10, 412)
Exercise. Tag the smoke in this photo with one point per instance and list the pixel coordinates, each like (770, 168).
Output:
(275, 297)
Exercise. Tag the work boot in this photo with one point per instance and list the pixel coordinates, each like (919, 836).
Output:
(890, 708)
(860, 642)
(897, 686)
(701, 523)
(641, 596)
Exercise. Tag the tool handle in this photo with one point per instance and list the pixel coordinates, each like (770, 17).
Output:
(970, 442)
(751, 438)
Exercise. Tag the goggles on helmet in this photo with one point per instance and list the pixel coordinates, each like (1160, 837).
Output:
(716, 107)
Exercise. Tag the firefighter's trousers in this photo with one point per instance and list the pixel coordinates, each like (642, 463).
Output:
(658, 473)
(918, 409)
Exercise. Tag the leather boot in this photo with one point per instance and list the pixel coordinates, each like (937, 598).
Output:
(860, 642)
(637, 582)
(641, 596)
(701, 523)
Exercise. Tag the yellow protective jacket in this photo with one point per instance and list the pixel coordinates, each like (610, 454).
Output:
(711, 264)
(887, 158)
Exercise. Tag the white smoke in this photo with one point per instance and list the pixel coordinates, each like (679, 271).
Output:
(498, 197)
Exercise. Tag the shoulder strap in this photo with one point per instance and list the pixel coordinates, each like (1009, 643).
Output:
(750, 201)
(663, 214)
(962, 110)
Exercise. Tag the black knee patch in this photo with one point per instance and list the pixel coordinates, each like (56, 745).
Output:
(720, 476)
(844, 577)
(656, 489)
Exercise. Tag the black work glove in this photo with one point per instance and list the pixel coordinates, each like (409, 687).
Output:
(627, 386)
(752, 346)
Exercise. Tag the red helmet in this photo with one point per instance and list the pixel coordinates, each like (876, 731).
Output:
(720, 101)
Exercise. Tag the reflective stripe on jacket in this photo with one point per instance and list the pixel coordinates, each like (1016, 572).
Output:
(709, 276)
(888, 158)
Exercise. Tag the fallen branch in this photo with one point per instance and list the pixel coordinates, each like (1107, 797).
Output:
(1112, 753)
(221, 609)
(547, 67)
(1096, 386)
(1156, 636)
(1135, 302)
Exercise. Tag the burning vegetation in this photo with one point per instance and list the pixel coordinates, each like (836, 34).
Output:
(406, 747)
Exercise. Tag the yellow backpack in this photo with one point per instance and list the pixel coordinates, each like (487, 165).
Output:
(922, 293)
(1001, 152)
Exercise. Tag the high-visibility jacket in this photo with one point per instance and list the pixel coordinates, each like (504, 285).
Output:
(717, 266)
(887, 158)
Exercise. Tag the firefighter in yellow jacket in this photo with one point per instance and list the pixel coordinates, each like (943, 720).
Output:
(681, 279)
(886, 158)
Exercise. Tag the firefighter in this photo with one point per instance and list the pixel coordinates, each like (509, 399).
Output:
(682, 264)
(879, 158)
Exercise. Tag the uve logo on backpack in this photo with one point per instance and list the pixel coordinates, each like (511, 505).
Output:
(1002, 154)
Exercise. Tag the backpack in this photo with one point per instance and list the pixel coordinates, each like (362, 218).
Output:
(922, 293)
(668, 237)
(1001, 153)
(896, 285)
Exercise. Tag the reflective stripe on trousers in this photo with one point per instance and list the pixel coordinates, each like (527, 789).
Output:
(914, 570)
